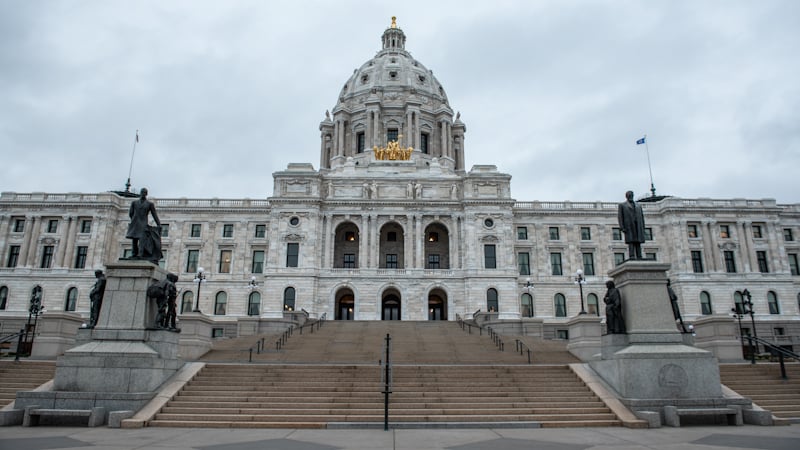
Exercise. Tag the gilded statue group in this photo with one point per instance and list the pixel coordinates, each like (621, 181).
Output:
(392, 152)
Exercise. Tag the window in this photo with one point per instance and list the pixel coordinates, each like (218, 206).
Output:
(491, 300)
(349, 261)
(761, 257)
(288, 299)
(738, 302)
(360, 142)
(47, 257)
(164, 230)
(391, 133)
(553, 233)
(433, 261)
(555, 263)
(127, 253)
(489, 256)
(562, 334)
(192, 258)
(71, 300)
(294, 221)
(195, 231)
(705, 303)
(523, 259)
(13, 256)
(292, 252)
(650, 255)
(522, 233)
(19, 225)
(691, 230)
(225, 261)
(258, 262)
(187, 301)
(648, 234)
(163, 261)
(254, 304)
(588, 263)
(779, 331)
(217, 332)
(793, 266)
(423, 143)
(391, 261)
(724, 231)
(757, 232)
(619, 258)
(560, 303)
(526, 305)
(730, 263)
(697, 261)
(787, 234)
(80, 257)
(220, 302)
(52, 226)
(86, 226)
(3, 297)
(227, 230)
(772, 302)
(261, 230)
(391, 236)
(488, 223)
(586, 234)
(616, 234)
(592, 305)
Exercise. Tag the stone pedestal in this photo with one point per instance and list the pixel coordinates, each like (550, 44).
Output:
(584, 336)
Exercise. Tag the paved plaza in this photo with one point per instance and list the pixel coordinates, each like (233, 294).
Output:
(745, 437)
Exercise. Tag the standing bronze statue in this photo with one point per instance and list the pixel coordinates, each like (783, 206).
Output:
(146, 238)
(96, 297)
(631, 222)
(613, 300)
(676, 310)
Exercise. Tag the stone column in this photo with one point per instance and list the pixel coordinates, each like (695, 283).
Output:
(745, 230)
(420, 241)
(408, 242)
(443, 140)
(713, 245)
(33, 242)
(71, 235)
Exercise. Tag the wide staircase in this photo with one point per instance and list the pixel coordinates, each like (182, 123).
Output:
(22, 376)
(763, 384)
(441, 376)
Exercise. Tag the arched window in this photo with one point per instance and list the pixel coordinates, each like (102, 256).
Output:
(491, 300)
(254, 304)
(526, 307)
(592, 305)
(738, 302)
(560, 303)
(72, 299)
(186, 302)
(4, 297)
(705, 303)
(772, 301)
(220, 303)
(288, 299)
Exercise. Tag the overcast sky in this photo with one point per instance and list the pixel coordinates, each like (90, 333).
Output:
(555, 93)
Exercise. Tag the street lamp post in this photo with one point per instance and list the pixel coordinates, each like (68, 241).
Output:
(200, 278)
(580, 281)
(747, 308)
(528, 287)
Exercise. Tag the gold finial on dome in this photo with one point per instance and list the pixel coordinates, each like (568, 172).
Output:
(394, 22)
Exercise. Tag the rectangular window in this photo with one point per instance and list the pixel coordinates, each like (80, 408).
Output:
(586, 234)
(651, 256)
(616, 234)
(787, 235)
(163, 261)
(19, 225)
(730, 263)
(127, 253)
(261, 230)
(13, 256)
(292, 253)
(360, 142)
(691, 231)
(793, 264)
(52, 226)
(522, 233)
(489, 256)
(47, 257)
(697, 261)
(553, 233)
(761, 257)
(562, 334)
(778, 331)
(86, 226)
(555, 263)
(648, 234)
(619, 258)
(258, 262)
(724, 231)
(349, 261)
(225, 261)
(164, 230)
(423, 143)
(391, 134)
(192, 258)
(195, 231)
(524, 261)
(80, 257)
(227, 230)
(391, 236)
(391, 261)
(433, 261)
(757, 232)
(588, 263)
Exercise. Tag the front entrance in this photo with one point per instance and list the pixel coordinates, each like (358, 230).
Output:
(345, 305)
(437, 305)
(390, 307)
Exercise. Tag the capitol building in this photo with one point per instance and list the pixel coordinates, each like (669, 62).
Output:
(393, 226)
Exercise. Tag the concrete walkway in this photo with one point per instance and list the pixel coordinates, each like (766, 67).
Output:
(708, 438)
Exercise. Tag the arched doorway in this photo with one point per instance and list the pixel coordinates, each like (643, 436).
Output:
(345, 305)
(437, 247)
(437, 305)
(392, 246)
(346, 245)
(390, 306)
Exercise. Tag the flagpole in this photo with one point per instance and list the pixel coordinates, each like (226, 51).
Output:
(130, 169)
(649, 167)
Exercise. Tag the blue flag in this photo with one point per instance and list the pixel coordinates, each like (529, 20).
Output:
(640, 141)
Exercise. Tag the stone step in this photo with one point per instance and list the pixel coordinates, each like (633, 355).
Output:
(325, 418)
(377, 409)
(360, 405)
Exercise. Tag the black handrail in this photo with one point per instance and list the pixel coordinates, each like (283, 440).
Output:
(387, 384)
(521, 346)
(774, 349)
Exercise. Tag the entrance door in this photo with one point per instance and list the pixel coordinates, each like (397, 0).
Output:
(437, 306)
(344, 311)
(391, 308)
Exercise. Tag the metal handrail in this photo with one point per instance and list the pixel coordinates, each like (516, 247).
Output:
(386, 374)
(774, 349)
(521, 348)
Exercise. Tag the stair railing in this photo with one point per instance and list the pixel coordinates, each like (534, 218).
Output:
(773, 349)
(522, 348)
(498, 341)
(468, 326)
(386, 379)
